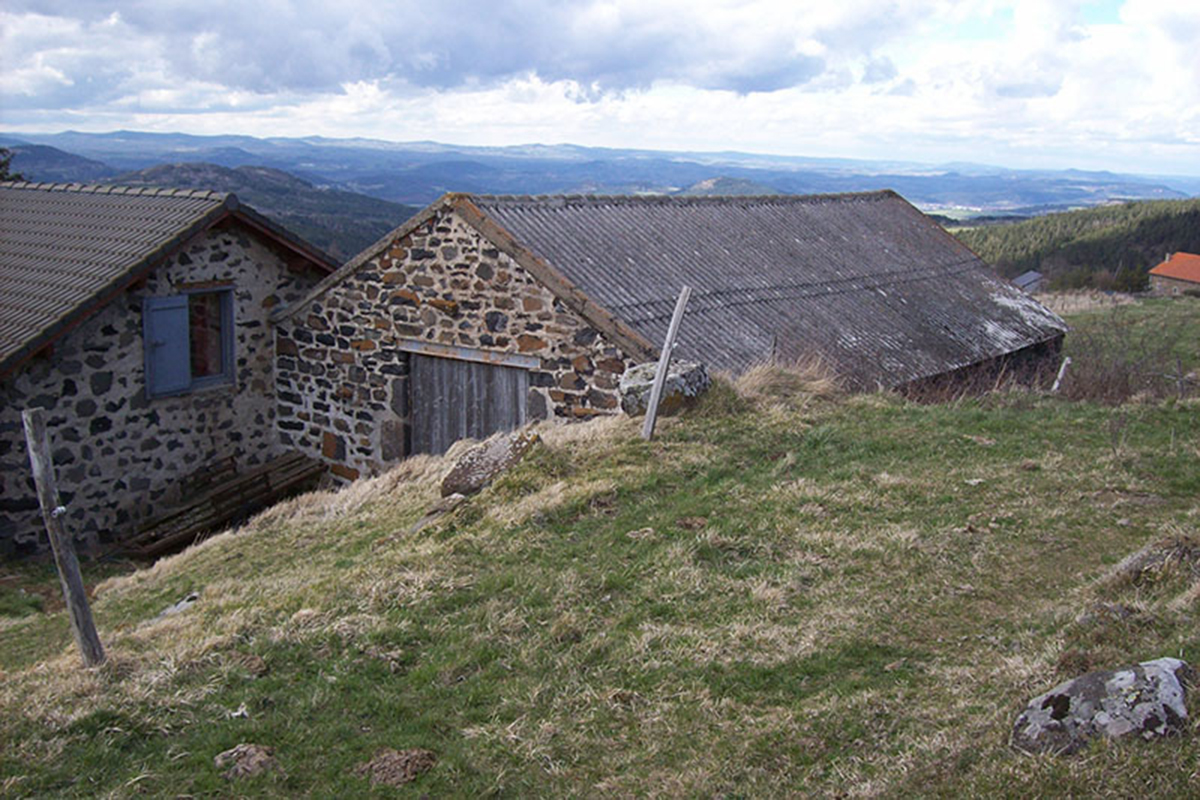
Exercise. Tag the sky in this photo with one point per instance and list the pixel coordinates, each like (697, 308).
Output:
(1047, 84)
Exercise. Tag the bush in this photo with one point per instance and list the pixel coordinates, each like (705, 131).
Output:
(1115, 358)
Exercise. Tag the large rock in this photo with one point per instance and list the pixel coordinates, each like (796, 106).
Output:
(1146, 699)
(686, 380)
(480, 465)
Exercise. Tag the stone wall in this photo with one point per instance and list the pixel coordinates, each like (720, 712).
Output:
(1168, 287)
(343, 392)
(119, 455)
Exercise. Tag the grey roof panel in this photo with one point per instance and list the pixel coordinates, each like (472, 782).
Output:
(865, 280)
(62, 245)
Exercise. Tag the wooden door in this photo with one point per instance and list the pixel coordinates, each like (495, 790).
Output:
(453, 399)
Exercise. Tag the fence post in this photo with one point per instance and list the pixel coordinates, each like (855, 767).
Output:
(664, 364)
(82, 626)
(1062, 371)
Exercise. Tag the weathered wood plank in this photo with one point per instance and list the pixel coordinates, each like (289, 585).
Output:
(455, 399)
(236, 498)
(664, 364)
(83, 628)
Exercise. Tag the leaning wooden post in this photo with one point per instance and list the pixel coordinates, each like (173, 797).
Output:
(664, 364)
(1062, 371)
(82, 626)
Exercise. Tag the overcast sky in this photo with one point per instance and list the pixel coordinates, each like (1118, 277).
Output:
(1052, 83)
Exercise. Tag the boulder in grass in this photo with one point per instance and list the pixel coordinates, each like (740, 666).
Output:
(686, 381)
(1147, 699)
(481, 465)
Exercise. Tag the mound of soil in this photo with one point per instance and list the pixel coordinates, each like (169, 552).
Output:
(397, 767)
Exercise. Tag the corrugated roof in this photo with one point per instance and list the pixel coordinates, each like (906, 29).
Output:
(1180, 266)
(64, 245)
(865, 280)
(1027, 279)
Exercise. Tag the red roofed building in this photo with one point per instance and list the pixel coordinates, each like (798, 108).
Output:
(1180, 272)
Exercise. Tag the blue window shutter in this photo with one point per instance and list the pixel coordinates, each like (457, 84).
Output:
(168, 356)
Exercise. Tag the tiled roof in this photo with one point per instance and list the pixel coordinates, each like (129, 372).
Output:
(63, 246)
(1180, 266)
(865, 280)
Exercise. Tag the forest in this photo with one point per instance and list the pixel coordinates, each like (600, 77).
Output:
(1110, 247)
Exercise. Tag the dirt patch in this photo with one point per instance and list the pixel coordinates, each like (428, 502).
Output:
(247, 760)
(397, 767)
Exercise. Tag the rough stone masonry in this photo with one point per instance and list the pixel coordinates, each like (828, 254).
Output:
(119, 455)
(342, 377)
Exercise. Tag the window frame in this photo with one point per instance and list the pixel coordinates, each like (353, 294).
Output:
(227, 375)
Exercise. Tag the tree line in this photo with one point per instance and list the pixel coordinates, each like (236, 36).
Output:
(1108, 247)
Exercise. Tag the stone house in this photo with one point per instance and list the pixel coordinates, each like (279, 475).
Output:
(139, 319)
(483, 312)
(1178, 273)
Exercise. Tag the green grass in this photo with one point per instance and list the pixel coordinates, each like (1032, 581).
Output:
(16, 602)
(857, 598)
(1171, 325)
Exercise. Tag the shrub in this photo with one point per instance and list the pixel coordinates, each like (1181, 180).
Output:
(1115, 357)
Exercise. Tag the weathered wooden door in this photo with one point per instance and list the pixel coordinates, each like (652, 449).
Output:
(453, 399)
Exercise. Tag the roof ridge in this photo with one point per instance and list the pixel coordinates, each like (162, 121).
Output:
(103, 188)
(674, 199)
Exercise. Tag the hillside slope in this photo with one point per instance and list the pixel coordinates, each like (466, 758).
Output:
(1108, 247)
(341, 223)
(781, 596)
(37, 162)
(724, 186)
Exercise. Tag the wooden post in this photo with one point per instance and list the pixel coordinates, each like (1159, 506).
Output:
(664, 364)
(82, 626)
(1062, 371)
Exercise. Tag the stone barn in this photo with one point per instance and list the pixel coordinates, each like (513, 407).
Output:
(138, 318)
(482, 312)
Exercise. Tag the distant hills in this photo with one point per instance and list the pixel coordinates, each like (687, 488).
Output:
(44, 163)
(722, 186)
(341, 223)
(1112, 247)
(343, 194)
(418, 172)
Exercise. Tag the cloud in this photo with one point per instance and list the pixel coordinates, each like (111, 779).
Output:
(272, 46)
(1023, 80)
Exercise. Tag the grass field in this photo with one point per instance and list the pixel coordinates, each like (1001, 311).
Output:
(826, 595)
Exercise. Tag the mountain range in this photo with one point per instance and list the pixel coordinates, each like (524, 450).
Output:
(341, 223)
(418, 172)
(342, 194)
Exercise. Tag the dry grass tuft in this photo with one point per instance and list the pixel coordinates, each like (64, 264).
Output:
(1177, 553)
(601, 431)
(1076, 302)
(791, 386)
